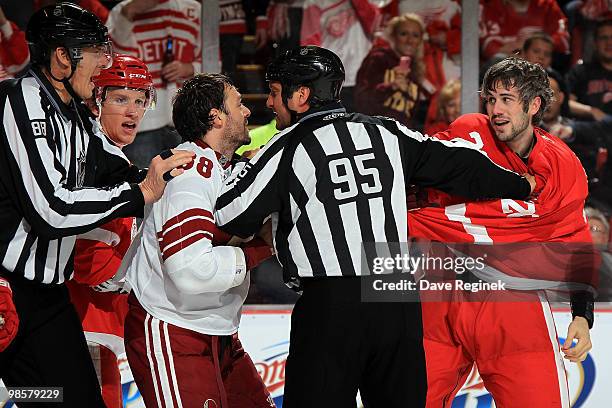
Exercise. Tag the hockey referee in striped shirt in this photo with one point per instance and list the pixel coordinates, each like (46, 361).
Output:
(333, 180)
(50, 150)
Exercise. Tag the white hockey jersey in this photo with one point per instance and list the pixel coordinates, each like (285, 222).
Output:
(174, 270)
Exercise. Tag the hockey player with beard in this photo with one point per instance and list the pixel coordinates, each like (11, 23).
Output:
(188, 285)
(512, 339)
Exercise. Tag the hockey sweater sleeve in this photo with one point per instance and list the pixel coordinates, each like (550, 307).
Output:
(458, 167)
(52, 209)
(185, 231)
(98, 253)
(251, 194)
(14, 53)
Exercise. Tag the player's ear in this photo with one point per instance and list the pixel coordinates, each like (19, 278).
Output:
(60, 61)
(62, 57)
(303, 93)
(534, 105)
(218, 118)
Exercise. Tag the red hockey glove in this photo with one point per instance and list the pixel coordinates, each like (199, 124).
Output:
(9, 321)
(256, 251)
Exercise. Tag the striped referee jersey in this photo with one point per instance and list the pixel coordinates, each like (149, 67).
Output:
(49, 152)
(334, 181)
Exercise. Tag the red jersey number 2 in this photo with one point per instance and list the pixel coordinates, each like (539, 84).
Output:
(204, 166)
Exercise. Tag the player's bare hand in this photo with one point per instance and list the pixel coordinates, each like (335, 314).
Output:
(532, 181)
(249, 154)
(577, 330)
(154, 183)
(597, 113)
(563, 132)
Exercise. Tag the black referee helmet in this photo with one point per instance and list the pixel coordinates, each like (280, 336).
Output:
(64, 25)
(317, 68)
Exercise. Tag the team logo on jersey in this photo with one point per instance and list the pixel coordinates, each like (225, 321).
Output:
(210, 403)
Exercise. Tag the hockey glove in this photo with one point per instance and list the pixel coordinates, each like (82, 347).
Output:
(9, 321)
(256, 251)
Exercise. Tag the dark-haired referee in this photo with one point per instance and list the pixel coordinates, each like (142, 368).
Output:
(49, 151)
(333, 180)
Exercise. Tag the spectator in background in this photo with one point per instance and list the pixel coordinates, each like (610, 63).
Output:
(538, 49)
(442, 20)
(506, 24)
(386, 85)
(590, 140)
(447, 107)
(590, 84)
(14, 53)
(599, 226)
(600, 232)
(166, 36)
(344, 27)
(582, 16)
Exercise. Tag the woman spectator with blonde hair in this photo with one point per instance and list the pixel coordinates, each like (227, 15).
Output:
(444, 108)
(390, 79)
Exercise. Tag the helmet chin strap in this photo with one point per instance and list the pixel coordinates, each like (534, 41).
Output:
(294, 115)
(66, 81)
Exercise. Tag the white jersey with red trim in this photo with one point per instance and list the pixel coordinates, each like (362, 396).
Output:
(174, 270)
(145, 37)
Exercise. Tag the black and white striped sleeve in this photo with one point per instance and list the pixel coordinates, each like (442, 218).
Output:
(251, 193)
(38, 176)
(457, 168)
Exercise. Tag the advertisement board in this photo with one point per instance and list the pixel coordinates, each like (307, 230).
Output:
(265, 336)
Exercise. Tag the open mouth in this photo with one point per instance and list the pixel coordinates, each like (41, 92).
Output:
(500, 122)
(130, 126)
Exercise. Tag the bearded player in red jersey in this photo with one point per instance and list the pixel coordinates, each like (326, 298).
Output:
(122, 94)
(513, 343)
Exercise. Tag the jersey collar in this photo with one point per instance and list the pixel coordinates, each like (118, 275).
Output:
(334, 107)
(223, 161)
(68, 111)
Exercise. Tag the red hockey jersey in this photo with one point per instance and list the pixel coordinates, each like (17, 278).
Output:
(555, 215)
(98, 255)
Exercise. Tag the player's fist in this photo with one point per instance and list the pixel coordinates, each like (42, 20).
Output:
(9, 321)
(255, 252)
(532, 181)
